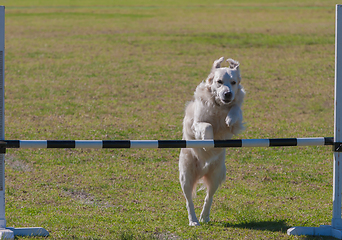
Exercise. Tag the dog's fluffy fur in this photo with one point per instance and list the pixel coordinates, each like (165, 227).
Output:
(214, 113)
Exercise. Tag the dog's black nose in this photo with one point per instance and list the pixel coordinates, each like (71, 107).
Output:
(228, 96)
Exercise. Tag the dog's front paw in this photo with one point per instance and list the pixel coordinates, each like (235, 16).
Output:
(203, 130)
(230, 121)
(234, 116)
(235, 125)
(191, 223)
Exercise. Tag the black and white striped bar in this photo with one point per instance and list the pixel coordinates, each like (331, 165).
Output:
(275, 142)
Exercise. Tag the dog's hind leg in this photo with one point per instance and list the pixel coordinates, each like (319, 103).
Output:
(188, 178)
(187, 190)
(212, 181)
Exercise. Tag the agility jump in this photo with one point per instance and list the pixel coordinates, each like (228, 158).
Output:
(334, 230)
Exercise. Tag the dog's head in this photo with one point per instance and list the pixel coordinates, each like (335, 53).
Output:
(224, 83)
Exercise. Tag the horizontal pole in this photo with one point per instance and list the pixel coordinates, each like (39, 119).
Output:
(272, 142)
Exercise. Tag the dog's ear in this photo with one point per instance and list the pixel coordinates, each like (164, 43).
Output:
(217, 63)
(233, 64)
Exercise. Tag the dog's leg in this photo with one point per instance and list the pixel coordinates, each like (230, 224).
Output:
(187, 178)
(234, 115)
(213, 181)
(234, 119)
(203, 130)
(187, 190)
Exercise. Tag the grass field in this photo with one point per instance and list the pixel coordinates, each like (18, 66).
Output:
(125, 70)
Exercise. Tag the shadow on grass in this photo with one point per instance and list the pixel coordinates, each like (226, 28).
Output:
(274, 226)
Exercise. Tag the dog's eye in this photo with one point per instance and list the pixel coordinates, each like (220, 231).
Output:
(220, 81)
(233, 82)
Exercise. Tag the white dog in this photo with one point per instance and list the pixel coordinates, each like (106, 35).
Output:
(214, 113)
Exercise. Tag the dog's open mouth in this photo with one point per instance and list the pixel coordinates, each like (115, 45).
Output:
(226, 101)
(221, 101)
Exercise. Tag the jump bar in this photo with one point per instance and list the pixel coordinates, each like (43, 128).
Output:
(273, 142)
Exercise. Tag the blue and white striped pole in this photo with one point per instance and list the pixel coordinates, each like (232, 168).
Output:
(98, 144)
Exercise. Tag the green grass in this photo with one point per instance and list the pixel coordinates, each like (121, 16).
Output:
(125, 70)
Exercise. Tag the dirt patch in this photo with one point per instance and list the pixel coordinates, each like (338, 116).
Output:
(86, 198)
(17, 164)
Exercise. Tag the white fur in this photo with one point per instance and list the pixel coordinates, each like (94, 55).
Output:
(214, 113)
